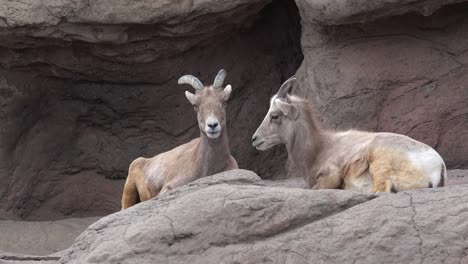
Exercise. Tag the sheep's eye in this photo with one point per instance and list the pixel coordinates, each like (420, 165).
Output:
(195, 107)
(274, 117)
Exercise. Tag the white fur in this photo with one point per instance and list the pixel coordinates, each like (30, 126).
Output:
(430, 162)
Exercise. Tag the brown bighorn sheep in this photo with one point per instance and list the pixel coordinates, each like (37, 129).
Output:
(352, 160)
(203, 156)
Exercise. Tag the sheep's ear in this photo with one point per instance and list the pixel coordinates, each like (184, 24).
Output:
(288, 109)
(227, 92)
(193, 99)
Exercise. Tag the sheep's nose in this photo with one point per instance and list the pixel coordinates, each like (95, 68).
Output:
(254, 138)
(213, 125)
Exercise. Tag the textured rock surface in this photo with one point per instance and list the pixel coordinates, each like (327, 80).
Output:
(296, 182)
(41, 238)
(48, 237)
(116, 41)
(358, 11)
(74, 114)
(52, 13)
(7, 258)
(406, 74)
(457, 177)
(234, 218)
(87, 86)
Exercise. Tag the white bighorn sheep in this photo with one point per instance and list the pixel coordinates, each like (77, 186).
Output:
(352, 160)
(203, 156)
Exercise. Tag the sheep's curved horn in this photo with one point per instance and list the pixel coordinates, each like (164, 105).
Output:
(218, 82)
(286, 87)
(192, 80)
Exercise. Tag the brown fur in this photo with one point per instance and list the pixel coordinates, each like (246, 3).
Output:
(355, 160)
(387, 166)
(200, 157)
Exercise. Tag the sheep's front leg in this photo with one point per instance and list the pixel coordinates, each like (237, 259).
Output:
(328, 179)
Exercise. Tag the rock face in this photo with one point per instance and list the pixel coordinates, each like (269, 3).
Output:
(334, 12)
(405, 74)
(457, 177)
(119, 41)
(85, 89)
(41, 238)
(88, 86)
(234, 218)
(108, 12)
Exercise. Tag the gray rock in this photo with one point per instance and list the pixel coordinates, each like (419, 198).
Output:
(296, 182)
(8, 258)
(457, 177)
(108, 33)
(41, 238)
(220, 219)
(51, 13)
(332, 12)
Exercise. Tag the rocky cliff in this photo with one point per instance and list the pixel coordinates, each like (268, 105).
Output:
(85, 88)
(88, 86)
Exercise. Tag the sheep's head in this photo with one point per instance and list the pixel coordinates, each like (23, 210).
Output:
(276, 127)
(209, 102)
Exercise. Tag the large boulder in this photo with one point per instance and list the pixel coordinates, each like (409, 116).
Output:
(234, 218)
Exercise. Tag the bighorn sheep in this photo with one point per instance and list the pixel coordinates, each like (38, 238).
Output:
(203, 156)
(352, 160)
